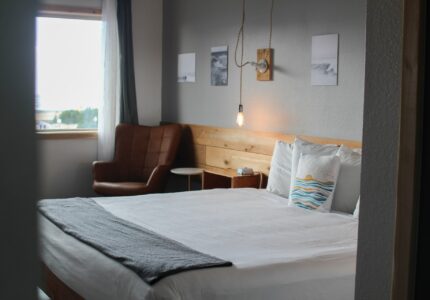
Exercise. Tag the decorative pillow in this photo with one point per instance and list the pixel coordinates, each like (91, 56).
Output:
(348, 183)
(315, 181)
(357, 209)
(280, 169)
(304, 147)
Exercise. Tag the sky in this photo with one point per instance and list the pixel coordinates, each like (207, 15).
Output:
(69, 68)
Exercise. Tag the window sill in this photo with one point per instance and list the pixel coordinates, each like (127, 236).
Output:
(66, 135)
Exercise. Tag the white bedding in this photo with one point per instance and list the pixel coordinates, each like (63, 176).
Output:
(278, 252)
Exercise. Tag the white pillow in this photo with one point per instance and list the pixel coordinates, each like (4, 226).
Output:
(357, 209)
(304, 147)
(280, 169)
(348, 183)
(315, 182)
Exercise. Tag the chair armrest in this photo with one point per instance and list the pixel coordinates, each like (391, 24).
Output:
(105, 171)
(155, 181)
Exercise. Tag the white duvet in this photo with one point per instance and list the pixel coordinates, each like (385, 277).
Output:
(278, 252)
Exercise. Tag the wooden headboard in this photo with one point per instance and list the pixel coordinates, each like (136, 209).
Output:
(218, 149)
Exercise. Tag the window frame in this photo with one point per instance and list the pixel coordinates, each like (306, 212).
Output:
(68, 12)
(67, 134)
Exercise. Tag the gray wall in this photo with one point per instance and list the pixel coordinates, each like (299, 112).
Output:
(380, 152)
(288, 104)
(18, 251)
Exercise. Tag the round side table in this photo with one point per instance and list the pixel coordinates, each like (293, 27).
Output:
(187, 172)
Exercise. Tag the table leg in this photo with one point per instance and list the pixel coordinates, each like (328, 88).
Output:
(189, 182)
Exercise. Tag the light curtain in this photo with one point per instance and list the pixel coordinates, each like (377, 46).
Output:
(109, 109)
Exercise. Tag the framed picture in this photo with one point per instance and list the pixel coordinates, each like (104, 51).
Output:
(219, 66)
(325, 59)
(187, 67)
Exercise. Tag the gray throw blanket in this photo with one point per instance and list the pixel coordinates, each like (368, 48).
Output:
(151, 256)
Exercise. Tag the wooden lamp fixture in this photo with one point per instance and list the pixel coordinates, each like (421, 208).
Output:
(264, 65)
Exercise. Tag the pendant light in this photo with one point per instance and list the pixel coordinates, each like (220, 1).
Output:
(240, 119)
(262, 65)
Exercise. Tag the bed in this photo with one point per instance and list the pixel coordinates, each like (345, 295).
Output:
(278, 252)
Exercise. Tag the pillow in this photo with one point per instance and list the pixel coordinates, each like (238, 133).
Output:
(357, 209)
(280, 169)
(358, 150)
(315, 181)
(304, 147)
(348, 183)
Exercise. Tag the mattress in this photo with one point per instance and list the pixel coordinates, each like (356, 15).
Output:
(278, 252)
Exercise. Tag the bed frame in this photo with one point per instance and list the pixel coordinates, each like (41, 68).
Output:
(55, 288)
(215, 149)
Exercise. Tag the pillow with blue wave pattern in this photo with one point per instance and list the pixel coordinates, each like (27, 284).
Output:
(304, 147)
(315, 182)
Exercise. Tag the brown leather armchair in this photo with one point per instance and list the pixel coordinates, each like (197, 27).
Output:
(143, 157)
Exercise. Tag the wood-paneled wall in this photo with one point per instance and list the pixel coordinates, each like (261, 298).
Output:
(225, 149)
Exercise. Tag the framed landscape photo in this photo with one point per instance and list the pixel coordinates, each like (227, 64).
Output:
(325, 59)
(187, 67)
(219, 66)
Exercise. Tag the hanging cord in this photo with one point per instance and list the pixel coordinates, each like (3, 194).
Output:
(241, 75)
(240, 38)
(271, 24)
(270, 29)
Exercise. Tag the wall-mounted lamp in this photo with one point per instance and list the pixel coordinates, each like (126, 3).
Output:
(263, 65)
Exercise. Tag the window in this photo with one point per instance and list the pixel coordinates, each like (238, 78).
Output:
(69, 73)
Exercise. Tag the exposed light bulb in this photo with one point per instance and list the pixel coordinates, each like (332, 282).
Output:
(240, 117)
(261, 66)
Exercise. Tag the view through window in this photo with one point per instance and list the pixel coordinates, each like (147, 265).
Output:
(69, 73)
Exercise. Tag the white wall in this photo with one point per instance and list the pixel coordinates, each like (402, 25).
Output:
(288, 104)
(65, 165)
(380, 150)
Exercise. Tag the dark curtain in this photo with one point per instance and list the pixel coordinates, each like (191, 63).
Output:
(128, 110)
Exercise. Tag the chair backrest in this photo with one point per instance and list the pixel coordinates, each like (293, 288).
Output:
(139, 149)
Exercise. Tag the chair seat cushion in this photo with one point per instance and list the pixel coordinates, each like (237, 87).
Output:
(120, 188)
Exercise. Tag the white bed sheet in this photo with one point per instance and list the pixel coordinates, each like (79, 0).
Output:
(278, 252)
